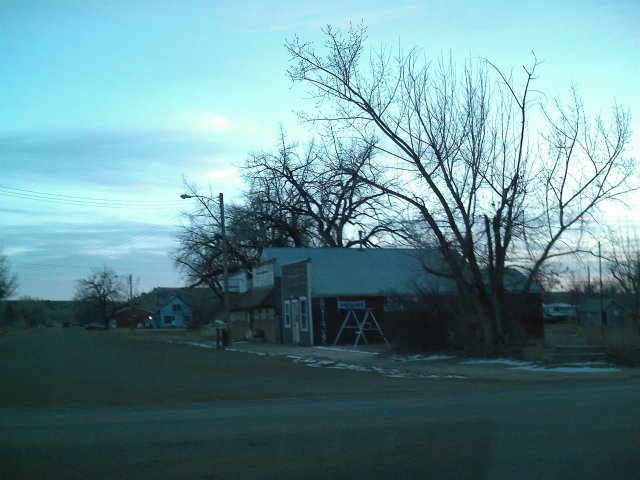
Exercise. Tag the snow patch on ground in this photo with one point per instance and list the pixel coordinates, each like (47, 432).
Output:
(496, 361)
(260, 354)
(568, 369)
(349, 350)
(421, 358)
(387, 372)
(576, 367)
(314, 362)
(193, 344)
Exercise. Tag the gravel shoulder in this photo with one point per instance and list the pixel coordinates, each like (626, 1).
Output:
(378, 359)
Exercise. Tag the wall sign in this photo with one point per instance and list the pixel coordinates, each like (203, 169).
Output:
(352, 304)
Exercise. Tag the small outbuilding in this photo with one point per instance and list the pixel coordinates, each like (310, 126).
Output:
(605, 312)
(131, 317)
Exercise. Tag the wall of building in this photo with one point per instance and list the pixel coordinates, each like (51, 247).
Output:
(240, 325)
(615, 316)
(328, 318)
(263, 321)
(297, 317)
(137, 316)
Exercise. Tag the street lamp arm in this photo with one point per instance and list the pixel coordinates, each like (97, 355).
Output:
(204, 202)
(225, 259)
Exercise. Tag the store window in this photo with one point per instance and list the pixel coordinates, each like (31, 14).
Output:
(287, 314)
(304, 320)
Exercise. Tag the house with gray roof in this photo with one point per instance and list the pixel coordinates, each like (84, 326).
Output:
(200, 306)
(323, 288)
(303, 295)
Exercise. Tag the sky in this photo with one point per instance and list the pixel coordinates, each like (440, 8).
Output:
(106, 106)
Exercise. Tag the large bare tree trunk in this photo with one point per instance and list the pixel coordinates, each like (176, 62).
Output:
(455, 147)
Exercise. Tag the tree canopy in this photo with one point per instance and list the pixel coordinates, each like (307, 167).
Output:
(8, 280)
(463, 157)
(497, 178)
(101, 290)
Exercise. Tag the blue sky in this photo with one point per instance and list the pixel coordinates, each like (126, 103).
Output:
(106, 105)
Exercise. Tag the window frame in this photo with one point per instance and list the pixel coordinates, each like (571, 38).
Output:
(303, 313)
(287, 314)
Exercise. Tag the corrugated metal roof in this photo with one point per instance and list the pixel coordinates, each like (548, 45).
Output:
(353, 272)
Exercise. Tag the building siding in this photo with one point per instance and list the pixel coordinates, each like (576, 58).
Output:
(295, 293)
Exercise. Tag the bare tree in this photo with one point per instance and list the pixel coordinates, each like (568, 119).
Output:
(310, 186)
(32, 312)
(101, 291)
(624, 264)
(249, 228)
(8, 281)
(297, 197)
(498, 182)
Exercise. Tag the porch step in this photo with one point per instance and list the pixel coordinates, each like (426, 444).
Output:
(564, 335)
(575, 354)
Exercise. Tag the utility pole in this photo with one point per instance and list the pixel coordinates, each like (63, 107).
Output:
(225, 267)
(130, 282)
(225, 260)
(131, 320)
(602, 322)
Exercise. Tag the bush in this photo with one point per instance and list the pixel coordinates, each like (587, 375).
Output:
(624, 356)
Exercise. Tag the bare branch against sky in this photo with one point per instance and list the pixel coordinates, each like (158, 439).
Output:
(107, 105)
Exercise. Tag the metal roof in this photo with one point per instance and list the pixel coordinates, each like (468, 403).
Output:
(371, 272)
(256, 297)
(592, 305)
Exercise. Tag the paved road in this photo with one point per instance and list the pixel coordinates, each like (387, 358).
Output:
(336, 424)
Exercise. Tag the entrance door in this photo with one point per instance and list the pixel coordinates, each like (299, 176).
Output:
(295, 321)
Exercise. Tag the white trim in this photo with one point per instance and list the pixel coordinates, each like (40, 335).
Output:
(295, 320)
(287, 314)
(309, 302)
(303, 313)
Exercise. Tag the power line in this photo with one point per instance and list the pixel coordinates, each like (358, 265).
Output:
(86, 201)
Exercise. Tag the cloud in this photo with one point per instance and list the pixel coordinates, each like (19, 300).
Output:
(48, 258)
(205, 122)
(310, 17)
(137, 158)
(75, 200)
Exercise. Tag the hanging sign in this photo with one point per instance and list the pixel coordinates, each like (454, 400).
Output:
(352, 304)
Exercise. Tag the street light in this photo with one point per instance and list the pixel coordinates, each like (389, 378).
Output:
(128, 277)
(225, 262)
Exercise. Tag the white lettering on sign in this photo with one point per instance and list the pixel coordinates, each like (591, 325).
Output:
(352, 305)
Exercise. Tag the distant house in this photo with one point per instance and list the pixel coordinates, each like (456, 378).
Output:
(608, 313)
(131, 317)
(175, 313)
(201, 302)
(315, 296)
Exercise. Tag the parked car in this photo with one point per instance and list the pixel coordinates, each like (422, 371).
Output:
(95, 326)
(557, 312)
